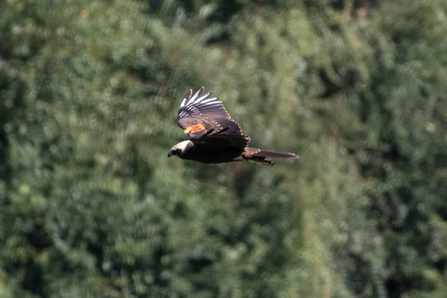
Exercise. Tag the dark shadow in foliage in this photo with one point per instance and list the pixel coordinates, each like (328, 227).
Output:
(338, 4)
(398, 285)
(9, 42)
(96, 246)
(358, 273)
(8, 85)
(29, 273)
(441, 265)
(5, 168)
(372, 169)
(39, 238)
(331, 87)
(225, 11)
(198, 264)
(138, 168)
(43, 82)
(223, 15)
(155, 5)
(223, 36)
(33, 280)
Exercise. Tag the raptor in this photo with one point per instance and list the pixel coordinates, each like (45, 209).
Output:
(213, 136)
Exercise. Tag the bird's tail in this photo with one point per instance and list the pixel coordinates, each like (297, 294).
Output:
(261, 157)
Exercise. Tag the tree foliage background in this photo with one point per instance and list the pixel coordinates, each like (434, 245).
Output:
(92, 207)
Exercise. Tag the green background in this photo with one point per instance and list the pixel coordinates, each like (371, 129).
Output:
(90, 205)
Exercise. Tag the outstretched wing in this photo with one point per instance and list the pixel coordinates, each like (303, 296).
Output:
(201, 115)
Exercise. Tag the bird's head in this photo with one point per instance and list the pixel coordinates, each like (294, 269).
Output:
(179, 149)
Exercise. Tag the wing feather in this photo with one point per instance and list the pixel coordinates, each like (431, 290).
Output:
(187, 96)
(196, 95)
(201, 115)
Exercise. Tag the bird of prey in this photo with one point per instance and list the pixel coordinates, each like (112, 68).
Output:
(213, 136)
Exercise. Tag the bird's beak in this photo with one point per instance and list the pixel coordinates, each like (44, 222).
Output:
(170, 154)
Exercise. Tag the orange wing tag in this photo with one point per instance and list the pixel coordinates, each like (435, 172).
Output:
(194, 128)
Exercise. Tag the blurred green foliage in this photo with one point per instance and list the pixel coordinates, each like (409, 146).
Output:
(92, 207)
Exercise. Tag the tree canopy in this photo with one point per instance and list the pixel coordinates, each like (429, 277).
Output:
(92, 207)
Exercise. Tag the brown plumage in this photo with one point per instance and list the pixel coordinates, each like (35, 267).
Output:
(213, 136)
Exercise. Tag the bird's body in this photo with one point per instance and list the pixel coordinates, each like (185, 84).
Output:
(214, 136)
(216, 155)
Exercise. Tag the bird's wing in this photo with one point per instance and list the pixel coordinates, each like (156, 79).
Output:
(201, 115)
(221, 142)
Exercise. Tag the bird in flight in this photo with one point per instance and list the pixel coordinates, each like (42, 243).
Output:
(213, 136)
